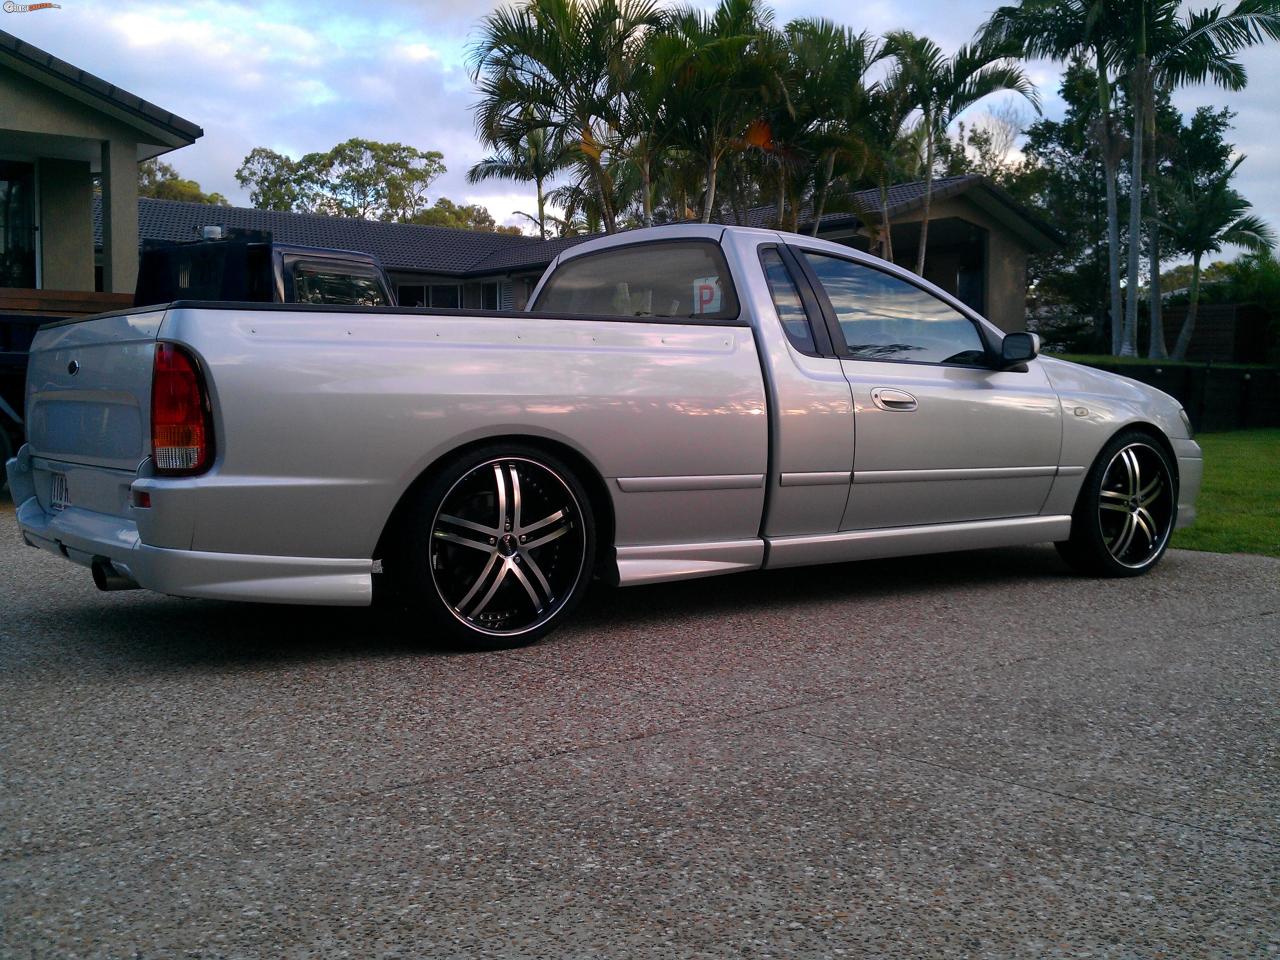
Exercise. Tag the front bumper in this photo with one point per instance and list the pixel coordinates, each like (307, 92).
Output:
(1190, 475)
(82, 535)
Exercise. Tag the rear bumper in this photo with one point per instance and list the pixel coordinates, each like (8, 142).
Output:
(81, 535)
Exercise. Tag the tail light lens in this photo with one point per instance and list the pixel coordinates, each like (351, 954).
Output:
(181, 424)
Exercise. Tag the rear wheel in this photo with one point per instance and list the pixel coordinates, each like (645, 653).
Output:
(500, 547)
(1126, 509)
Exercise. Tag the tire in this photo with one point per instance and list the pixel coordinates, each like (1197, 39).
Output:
(1126, 509)
(499, 547)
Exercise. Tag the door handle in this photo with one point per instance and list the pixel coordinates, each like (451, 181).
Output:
(887, 398)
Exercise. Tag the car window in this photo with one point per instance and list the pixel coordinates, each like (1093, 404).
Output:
(320, 283)
(786, 300)
(686, 280)
(884, 318)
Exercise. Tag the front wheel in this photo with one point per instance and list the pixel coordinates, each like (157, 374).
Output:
(1126, 509)
(501, 546)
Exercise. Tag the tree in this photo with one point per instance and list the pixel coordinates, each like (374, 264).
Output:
(942, 88)
(160, 180)
(724, 84)
(356, 178)
(647, 128)
(1161, 47)
(445, 213)
(372, 180)
(1203, 218)
(888, 152)
(529, 153)
(274, 181)
(1082, 31)
(561, 59)
(1195, 151)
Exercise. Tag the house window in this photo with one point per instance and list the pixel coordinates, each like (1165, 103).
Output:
(488, 296)
(17, 225)
(447, 295)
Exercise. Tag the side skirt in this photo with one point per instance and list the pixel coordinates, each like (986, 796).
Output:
(685, 561)
(906, 541)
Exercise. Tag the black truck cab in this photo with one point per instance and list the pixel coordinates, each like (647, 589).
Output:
(251, 268)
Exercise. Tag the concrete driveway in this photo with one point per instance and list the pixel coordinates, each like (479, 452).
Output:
(973, 755)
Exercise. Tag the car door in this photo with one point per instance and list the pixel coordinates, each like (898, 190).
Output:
(811, 458)
(943, 434)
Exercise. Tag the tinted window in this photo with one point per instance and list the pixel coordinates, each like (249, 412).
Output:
(647, 280)
(445, 295)
(786, 300)
(412, 295)
(320, 283)
(884, 318)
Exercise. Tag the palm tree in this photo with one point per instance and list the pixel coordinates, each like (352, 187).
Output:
(524, 156)
(816, 114)
(1062, 30)
(942, 88)
(720, 86)
(1162, 46)
(888, 151)
(646, 127)
(562, 60)
(1203, 218)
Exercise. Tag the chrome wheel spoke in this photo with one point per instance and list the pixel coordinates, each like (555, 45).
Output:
(1134, 471)
(493, 561)
(502, 497)
(1124, 538)
(1116, 507)
(515, 497)
(1151, 491)
(468, 525)
(1113, 495)
(532, 566)
(528, 587)
(485, 545)
(544, 522)
(1147, 523)
(546, 538)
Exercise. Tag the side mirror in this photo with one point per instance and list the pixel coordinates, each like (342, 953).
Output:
(1019, 348)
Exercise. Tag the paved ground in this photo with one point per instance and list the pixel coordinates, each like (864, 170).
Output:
(973, 755)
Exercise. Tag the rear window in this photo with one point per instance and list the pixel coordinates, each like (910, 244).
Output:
(231, 270)
(324, 283)
(685, 280)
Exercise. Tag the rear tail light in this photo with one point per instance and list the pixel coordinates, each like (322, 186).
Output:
(181, 424)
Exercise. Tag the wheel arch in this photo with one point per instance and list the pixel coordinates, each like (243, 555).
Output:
(1153, 431)
(587, 473)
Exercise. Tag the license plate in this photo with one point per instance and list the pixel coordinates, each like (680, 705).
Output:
(59, 498)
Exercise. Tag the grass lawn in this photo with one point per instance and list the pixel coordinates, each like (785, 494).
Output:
(1239, 505)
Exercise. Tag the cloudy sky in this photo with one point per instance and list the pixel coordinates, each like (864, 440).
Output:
(302, 76)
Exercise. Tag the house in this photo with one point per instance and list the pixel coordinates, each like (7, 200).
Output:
(980, 238)
(428, 266)
(61, 127)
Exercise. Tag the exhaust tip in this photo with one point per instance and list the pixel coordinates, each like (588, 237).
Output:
(106, 577)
